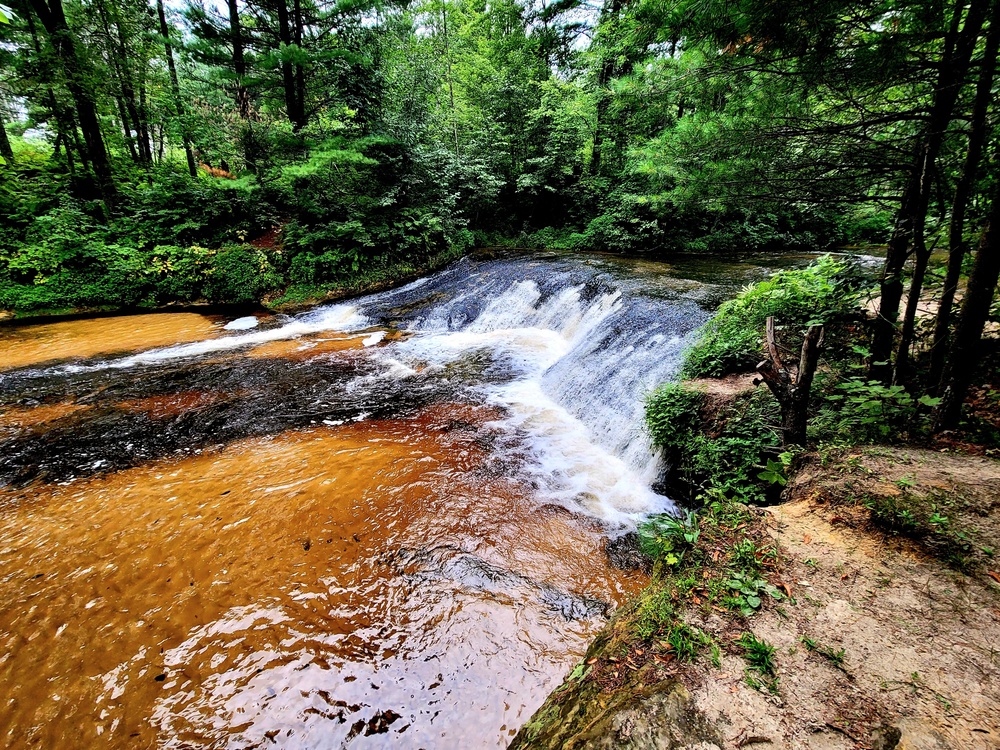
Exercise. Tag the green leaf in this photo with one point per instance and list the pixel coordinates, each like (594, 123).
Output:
(926, 400)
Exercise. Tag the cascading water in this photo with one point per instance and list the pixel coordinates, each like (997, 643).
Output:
(375, 524)
(568, 350)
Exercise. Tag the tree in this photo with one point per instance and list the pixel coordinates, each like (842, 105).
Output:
(78, 79)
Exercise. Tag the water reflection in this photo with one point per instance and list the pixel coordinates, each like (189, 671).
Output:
(354, 583)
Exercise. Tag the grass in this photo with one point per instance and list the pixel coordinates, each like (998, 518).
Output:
(929, 518)
(836, 658)
(761, 670)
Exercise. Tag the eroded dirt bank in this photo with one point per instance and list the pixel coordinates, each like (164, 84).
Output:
(887, 638)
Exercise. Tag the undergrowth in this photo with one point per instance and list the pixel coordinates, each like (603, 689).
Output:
(725, 450)
(731, 340)
(720, 562)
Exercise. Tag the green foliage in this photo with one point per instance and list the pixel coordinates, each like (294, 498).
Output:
(240, 274)
(857, 410)
(722, 455)
(747, 592)
(761, 669)
(657, 620)
(758, 653)
(666, 537)
(672, 414)
(732, 340)
(928, 519)
(776, 472)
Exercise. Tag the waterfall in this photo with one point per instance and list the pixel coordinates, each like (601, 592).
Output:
(566, 347)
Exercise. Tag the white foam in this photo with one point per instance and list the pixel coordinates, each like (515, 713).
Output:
(569, 467)
(242, 324)
(330, 318)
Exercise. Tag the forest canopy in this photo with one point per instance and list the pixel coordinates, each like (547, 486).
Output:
(234, 151)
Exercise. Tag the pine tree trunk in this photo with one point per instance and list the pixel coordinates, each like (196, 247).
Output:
(5, 148)
(53, 19)
(921, 256)
(916, 195)
(300, 76)
(287, 72)
(239, 61)
(963, 354)
(957, 247)
(175, 88)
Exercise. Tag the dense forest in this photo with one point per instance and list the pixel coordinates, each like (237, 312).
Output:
(238, 151)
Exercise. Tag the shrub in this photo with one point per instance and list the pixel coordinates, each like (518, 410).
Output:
(240, 274)
(672, 415)
(731, 340)
(867, 411)
(725, 455)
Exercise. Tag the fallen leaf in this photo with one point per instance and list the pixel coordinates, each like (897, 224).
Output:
(845, 576)
(994, 576)
(807, 539)
(785, 589)
(592, 660)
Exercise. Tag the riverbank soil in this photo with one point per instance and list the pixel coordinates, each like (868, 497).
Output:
(888, 638)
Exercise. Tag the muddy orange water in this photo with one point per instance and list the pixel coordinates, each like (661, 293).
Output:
(45, 342)
(309, 588)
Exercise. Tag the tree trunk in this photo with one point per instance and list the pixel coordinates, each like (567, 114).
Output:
(175, 88)
(287, 72)
(53, 19)
(145, 137)
(921, 256)
(239, 61)
(128, 112)
(451, 85)
(957, 247)
(791, 393)
(963, 354)
(300, 75)
(5, 148)
(916, 195)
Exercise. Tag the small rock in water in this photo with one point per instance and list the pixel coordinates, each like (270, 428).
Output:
(624, 553)
(242, 324)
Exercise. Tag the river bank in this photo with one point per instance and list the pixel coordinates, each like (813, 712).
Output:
(836, 590)
(873, 618)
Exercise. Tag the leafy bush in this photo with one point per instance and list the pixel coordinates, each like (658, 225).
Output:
(732, 339)
(672, 415)
(864, 411)
(666, 537)
(724, 455)
(240, 274)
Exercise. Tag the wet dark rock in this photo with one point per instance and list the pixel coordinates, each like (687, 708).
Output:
(257, 397)
(380, 722)
(473, 572)
(624, 553)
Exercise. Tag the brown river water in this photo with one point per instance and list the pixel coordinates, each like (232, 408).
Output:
(378, 524)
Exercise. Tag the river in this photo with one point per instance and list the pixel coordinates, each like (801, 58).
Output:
(378, 523)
